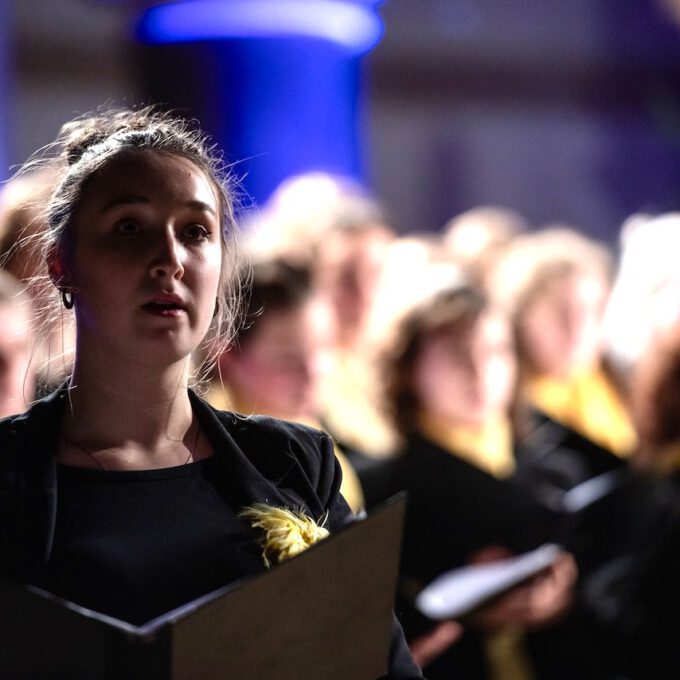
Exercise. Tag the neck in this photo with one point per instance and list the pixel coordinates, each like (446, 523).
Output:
(117, 405)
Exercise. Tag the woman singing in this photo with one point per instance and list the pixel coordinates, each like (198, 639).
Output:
(122, 491)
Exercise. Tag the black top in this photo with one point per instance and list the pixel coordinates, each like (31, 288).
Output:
(136, 544)
(259, 460)
(630, 589)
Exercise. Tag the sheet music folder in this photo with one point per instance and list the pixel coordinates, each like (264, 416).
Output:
(326, 613)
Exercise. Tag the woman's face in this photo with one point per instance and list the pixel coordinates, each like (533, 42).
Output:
(145, 259)
(467, 376)
(561, 328)
(349, 266)
(278, 369)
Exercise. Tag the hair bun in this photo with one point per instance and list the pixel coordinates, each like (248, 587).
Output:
(79, 135)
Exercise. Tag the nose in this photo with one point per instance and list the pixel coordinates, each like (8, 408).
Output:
(168, 257)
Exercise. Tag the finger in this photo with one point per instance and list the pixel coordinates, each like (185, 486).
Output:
(427, 648)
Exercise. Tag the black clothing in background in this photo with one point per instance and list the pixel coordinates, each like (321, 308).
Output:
(552, 459)
(454, 510)
(630, 593)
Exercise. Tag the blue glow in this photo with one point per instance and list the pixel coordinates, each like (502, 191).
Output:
(6, 88)
(352, 24)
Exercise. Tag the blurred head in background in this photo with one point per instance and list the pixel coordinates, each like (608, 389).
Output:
(22, 221)
(555, 283)
(278, 360)
(348, 271)
(332, 226)
(645, 299)
(478, 237)
(451, 359)
(17, 379)
(23, 226)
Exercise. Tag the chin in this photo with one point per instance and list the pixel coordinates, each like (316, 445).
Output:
(166, 352)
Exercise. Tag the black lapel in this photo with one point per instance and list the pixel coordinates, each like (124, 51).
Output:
(28, 487)
(245, 483)
(28, 479)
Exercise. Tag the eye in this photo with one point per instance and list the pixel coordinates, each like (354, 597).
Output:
(127, 227)
(195, 232)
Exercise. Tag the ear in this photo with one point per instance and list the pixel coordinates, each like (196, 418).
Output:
(56, 269)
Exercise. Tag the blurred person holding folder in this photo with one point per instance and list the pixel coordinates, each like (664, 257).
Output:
(123, 491)
(450, 372)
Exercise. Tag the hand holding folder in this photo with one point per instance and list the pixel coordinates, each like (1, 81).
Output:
(461, 591)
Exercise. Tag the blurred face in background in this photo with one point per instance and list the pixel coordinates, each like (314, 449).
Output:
(561, 327)
(349, 267)
(278, 368)
(16, 384)
(467, 375)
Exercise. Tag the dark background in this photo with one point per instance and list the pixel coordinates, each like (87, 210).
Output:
(567, 111)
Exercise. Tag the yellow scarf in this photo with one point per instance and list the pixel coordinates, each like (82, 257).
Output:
(666, 460)
(349, 404)
(588, 403)
(487, 446)
(226, 400)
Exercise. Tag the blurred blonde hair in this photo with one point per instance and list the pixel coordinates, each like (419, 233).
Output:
(533, 260)
(22, 207)
(303, 210)
(477, 237)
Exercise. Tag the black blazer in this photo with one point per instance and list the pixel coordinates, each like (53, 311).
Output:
(264, 460)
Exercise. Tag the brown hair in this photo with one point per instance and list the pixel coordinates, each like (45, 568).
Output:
(272, 286)
(454, 309)
(22, 205)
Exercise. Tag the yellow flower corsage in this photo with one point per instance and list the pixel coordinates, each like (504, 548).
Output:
(285, 533)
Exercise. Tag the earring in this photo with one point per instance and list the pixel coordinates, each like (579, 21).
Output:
(67, 298)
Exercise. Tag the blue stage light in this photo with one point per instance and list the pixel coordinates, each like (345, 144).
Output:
(351, 24)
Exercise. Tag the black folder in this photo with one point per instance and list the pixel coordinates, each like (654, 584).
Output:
(323, 615)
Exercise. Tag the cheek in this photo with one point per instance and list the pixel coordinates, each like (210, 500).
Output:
(212, 269)
(209, 283)
(589, 324)
(423, 384)
(436, 382)
(249, 378)
(500, 381)
(543, 335)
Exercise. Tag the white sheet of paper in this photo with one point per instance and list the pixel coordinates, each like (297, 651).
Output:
(459, 591)
(592, 490)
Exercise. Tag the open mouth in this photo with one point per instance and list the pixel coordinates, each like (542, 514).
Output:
(167, 309)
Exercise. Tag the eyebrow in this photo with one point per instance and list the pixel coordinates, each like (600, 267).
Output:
(123, 200)
(133, 199)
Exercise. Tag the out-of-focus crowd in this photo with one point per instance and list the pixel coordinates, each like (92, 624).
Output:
(521, 383)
